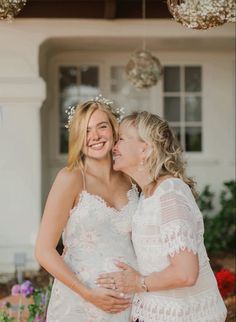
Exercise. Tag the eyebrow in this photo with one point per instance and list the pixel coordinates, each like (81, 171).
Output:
(103, 122)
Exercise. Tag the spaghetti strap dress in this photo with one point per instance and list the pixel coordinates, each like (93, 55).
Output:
(94, 237)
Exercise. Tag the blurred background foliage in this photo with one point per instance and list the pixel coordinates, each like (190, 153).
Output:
(220, 226)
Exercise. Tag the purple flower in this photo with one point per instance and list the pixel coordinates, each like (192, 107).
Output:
(26, 288)
(43, 299)
(16, 290)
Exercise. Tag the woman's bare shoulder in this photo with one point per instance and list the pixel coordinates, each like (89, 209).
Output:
(70, 178)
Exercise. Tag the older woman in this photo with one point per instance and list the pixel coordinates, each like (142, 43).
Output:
(175, 282)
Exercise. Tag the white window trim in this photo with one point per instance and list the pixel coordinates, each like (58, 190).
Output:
(182, 124)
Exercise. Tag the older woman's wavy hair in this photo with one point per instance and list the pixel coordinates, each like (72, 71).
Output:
(78, 130)
(166, 154)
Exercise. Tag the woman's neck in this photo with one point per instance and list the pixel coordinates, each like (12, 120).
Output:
(145, 182)
(142, 177)
(101, 168)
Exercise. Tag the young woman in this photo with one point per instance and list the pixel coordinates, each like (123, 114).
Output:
(92, 205)
(175, 282)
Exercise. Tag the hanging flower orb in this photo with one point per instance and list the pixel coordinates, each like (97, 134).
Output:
(143, 70)
(10, 8)
(202, 14)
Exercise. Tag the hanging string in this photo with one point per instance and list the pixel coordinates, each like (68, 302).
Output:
(144, 24)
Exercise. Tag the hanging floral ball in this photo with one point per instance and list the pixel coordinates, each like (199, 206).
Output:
(202, 14)
(10, 8)
(143, 70)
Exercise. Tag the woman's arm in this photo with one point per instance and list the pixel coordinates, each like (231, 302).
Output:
(182, 272)
(61, 199)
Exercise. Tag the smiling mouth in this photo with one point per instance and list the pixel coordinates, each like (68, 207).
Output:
(97, 146)
(115, 157)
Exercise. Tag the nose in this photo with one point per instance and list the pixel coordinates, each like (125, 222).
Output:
(94, 134)
(115, 148)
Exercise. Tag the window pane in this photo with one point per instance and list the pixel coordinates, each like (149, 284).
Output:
(76, 89)
(172, 79)
(77, 84)
(67, 76)
(63, 140)
(124, 94)
(118, 79)
(193, 109)
(67, 83)
(85, 87)
(89, 76)
(176, 130)
(193, 79)
(193, 139)
(88, 86)
(172, 109)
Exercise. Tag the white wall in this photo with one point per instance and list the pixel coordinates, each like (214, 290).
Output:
(22, 92)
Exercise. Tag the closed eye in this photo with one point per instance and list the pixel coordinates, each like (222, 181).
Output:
(103, 127)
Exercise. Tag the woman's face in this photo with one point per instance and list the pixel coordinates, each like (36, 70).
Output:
(129, 150)
(99, 139)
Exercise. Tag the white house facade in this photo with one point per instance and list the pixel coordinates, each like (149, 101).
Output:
(46, 65)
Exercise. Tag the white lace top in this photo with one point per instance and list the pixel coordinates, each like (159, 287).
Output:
(164, 224)
(95, 235)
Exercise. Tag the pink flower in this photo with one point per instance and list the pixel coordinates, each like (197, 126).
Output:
(26, 288)
(15, 290)
(2, 304)
(39, 319)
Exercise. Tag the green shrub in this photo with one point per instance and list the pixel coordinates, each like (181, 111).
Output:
(220, 227)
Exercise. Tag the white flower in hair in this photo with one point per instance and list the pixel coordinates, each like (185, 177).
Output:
(117, 111)
(70, 111)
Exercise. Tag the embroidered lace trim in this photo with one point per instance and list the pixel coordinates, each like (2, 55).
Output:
(179, 227)
(177, 236)
(207, 308)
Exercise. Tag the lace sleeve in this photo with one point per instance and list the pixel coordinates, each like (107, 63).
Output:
(178, 229)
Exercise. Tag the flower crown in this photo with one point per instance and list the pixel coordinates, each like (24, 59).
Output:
(108, 104)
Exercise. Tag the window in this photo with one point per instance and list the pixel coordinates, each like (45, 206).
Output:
(76, 84)
(182, 98)
(124, 94)
(183, 104)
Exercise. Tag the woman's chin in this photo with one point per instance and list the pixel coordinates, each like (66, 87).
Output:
(117, 166)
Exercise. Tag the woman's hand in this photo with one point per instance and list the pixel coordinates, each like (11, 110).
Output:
(108, 300)
(127, 281)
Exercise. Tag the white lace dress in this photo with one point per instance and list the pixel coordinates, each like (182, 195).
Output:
(95, 235)
(164, 224)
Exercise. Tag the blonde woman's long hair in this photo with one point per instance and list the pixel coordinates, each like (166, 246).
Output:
(78, 130)
(166, 154)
